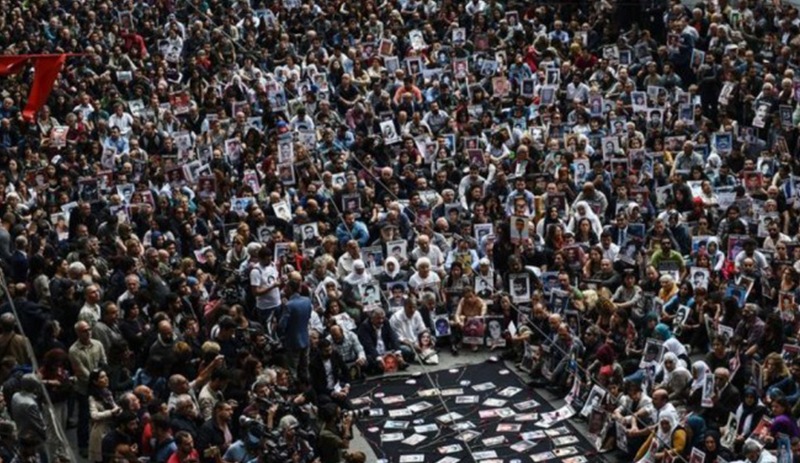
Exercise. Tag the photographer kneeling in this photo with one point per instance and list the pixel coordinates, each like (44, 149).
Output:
(335, 436)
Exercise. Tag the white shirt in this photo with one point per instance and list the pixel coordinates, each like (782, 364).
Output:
(266, 276)
(407, 329)
(434, 254)
(432, 281)
(89, 313)
(380, 347)
(328, 365)
(610, 253)
(123, 122)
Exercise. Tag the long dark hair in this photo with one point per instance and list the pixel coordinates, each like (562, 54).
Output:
(101, 395)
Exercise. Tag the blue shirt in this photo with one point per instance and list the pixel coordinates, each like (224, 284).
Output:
(357, 232)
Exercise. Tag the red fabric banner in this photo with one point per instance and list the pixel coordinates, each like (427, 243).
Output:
(45, 71)
(12, 64)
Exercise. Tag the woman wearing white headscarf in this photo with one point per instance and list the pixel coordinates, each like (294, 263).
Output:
(392, 272)
(668, 439)
(359, 275)
(716, 256)
(699, 372)
(582, 210)
(676, 378)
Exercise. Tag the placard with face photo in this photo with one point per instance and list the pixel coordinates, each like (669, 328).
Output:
(373, 259)
(285, 151)
(484, 286)
(596, 105)
(610, 146)
(582, 168)
(519, 229)
(593, 401)
(573, 320)
(189, 172)
(58, 136)
(527, 88)
(460, 68)
(493, 334)
(501, 87)
(642, 52)
(654, 119)
(310, 234)
(88, 189)
(611, 53)
(625, 57)
(280, 252)
(264, 233)
(250, 178)
(239, 205)
(391, 63)
(370, 294)
(109, 158)
(481, 230)
(552, 76)
(548, 95)
(397, 249)
(474, 328)
(520, 286)
(416, 39)
(207, 186)
(761, 115)
(459, 35)
(282, 210)
(389, 132)
(414, 65)
(559, 301)
(441, 325)
(639, 101)
(488, 67)
(753, 181)
(286, 173)
(698, 58)
(385, 47)
(653, 352)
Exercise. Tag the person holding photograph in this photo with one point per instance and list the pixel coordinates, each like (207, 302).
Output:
(408, 325)
(379, 340)
(470, 306)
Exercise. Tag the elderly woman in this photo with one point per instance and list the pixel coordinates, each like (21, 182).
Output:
(668, 440)
(676, 378)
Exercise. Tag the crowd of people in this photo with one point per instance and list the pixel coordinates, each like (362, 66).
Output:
(230, 211)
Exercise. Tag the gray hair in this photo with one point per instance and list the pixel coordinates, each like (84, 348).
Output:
(751, 446)
(423, 261)
(377, 312)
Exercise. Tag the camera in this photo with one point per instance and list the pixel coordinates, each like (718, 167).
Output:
(246, 422)
(357, 414)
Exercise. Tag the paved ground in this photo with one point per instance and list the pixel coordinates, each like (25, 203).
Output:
(447, 361)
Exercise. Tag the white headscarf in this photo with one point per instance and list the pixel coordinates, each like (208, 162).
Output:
(396, 270)
(354, 278)
(664, 439)
(701, 368)
(597, 227)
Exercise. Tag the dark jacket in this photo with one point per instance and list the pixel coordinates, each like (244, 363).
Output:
(317, 370)
(368, 337)
(294, 322)
(183, 423)
(210, 435)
